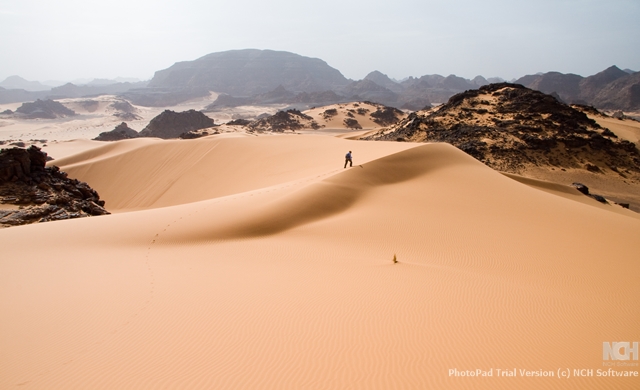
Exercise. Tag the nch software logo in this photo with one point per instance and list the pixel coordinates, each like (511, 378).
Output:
(621, 350)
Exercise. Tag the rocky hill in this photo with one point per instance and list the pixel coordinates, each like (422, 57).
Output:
(510, 128)
(122, 131)
(171, 124)
(250, 72)
(282, 121)
(31, 192)
(43, 109)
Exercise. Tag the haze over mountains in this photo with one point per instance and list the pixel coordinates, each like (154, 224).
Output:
(265, 76)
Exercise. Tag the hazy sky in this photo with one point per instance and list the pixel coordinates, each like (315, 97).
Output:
(70, 39)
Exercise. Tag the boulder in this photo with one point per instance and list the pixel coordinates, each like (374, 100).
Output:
(581, 187)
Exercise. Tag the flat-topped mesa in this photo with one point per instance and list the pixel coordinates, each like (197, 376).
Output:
(171, 124)
(510, 127)
(35, 193)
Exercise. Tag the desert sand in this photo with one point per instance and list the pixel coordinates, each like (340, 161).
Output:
(236, 262)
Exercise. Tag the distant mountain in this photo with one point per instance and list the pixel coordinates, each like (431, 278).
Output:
(627, 70)
(384, 81)
(368, 90)
(250, 72)
(621, 94)
(20, 95)
(565, 85)
(494, 80)
(70, 90)
(479, 81)
(17, 82)
(592, 85)
(102, 82)
(612, 88)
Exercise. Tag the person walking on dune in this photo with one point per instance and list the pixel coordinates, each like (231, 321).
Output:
(348, 160)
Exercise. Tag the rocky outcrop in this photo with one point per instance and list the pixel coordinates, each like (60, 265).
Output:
(171, 124)
(122, 131)
(386, 116)
(32, 192)
(44, 109)
(282, 121)
(510, 128)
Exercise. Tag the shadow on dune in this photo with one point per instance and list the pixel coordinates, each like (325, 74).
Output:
(338, 193)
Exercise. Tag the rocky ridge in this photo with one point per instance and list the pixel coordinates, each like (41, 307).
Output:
(510, 127)
(31, 192)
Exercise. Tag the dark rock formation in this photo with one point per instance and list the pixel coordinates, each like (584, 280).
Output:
(122, 131)
(41, 193)
(239, 122)
(510, 127)
(352, 123)
(581, 187)
(385, 116)
(284, 120)
(196, 134)
(44, 109)
(171, 124)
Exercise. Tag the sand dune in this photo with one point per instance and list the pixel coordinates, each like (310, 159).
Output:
(210, 167)
(625, 129)
(262, 263)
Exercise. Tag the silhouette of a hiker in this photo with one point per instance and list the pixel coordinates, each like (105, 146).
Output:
(348, 160)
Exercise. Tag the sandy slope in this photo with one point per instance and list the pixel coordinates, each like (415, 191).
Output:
(282, 277)
(625, 129)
